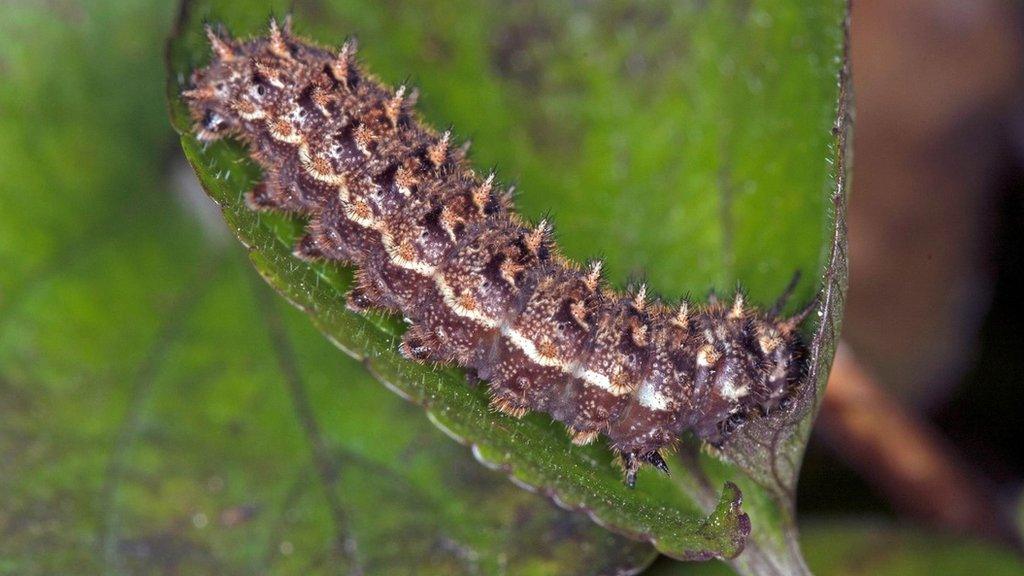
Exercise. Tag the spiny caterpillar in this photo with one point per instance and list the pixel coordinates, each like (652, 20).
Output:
(478, 285)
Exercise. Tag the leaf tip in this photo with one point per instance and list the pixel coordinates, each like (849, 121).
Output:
(729, 519)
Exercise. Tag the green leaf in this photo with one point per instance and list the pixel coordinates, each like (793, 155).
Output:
(163, 411)
(700, 144)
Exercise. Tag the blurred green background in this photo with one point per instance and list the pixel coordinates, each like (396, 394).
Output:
(163, 412)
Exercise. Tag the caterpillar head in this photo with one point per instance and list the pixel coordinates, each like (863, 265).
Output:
(245, 82)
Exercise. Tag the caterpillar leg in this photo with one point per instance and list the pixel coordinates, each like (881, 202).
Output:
(263, 197)
(473, 377)
(655, 459)
(633, 461)
(363, 296)
(276, 192)
(508, 404)
(307, 249)
(415, 344)
(420, 345)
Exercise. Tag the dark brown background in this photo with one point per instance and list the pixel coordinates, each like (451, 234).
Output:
(934, 319)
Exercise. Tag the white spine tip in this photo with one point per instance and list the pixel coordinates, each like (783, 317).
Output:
(640, 299)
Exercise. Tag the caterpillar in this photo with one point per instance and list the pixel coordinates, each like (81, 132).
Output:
(478, 285)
